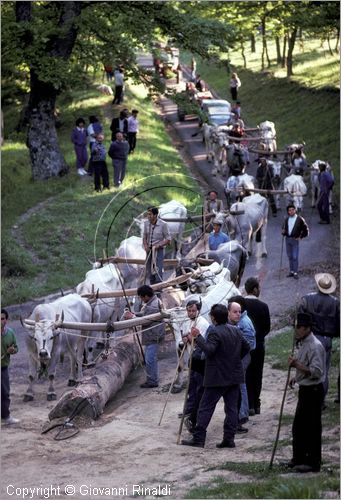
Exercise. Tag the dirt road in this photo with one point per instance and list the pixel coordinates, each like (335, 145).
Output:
(126, 450)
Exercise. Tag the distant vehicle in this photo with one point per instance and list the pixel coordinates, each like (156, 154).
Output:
(218, 111)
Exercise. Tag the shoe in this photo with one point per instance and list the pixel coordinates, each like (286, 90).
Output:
(295, 276)
(148, 385)
(303, 468)
(241, 430)
(84, 171)
(97, 190)
(226, 443)
(243, 421)
(337, 400)
(290, 275)
(80, 171)
(289, 465)
(257, 411)
(189, 424)
(10, 420)
(323, 222)
(252, 412)
(192, 442)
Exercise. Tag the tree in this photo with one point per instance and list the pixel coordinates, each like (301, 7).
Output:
(54, 42)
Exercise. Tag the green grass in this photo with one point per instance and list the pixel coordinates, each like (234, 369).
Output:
(74, 223)
(304, 108)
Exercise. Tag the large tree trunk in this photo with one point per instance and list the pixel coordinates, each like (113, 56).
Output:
(243, 54)
(46, 157)
(291, 45)
(253, 43)
(278, 50)
(90, 397)
(284, 60)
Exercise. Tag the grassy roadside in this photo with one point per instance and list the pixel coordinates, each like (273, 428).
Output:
(72, 223)
(305, 108)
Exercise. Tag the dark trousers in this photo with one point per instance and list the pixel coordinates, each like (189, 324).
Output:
(234, 93)
(90, 166)
(307, 426)
(207, 406)
(323, 207)
(118, 97)
(5, 389)
(254, 376)
(195, 392)
(132, 141)
(119, 170)
(100, 172)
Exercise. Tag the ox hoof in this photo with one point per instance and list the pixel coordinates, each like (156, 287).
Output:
(264, 254)
(71, 383)
(28, 397)
(51, 397)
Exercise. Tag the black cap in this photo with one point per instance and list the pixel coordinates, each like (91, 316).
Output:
(303, 319)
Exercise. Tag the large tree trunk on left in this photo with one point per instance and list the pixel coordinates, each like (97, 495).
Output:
(90, 397)
(46, 157)
(291, 45)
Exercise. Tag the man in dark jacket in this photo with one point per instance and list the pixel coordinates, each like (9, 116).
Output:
(224, 348)
(259, 314)
(324, 308)
(294, 229)
(119, 124)
(118, 151)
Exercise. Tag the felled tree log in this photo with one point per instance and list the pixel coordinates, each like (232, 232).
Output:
(93, 392)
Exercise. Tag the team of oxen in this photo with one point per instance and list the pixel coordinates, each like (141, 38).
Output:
(66, 325)
(230, 157)
(70, 323)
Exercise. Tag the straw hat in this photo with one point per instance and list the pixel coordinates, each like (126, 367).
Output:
(325, 282)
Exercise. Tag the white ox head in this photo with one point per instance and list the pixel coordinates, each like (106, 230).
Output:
(44, 333)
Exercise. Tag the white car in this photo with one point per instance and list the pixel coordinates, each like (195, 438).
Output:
(218, 111)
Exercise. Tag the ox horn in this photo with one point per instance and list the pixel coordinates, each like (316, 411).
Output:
(89, 261)
(58, 322)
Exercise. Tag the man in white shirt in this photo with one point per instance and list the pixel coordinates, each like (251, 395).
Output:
(119, 82)
(133, 128)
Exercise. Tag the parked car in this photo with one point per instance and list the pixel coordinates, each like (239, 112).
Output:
(217, 111)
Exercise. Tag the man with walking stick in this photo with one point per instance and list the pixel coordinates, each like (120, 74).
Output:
(310, 372)
(224, 349)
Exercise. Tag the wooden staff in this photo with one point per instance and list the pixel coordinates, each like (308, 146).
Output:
(186, 393)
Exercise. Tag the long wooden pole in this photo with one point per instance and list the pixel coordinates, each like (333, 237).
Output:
(186, 393)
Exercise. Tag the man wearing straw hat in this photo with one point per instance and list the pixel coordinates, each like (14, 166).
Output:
(307, 427)
(324, 309)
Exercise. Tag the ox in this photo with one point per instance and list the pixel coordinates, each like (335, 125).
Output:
(249, 218)
(236, 158)
(219, 142)
(236, 185)
(105, 89)
(296, 189)
(315, 185)
(132, 274)
(232, 255)
(48, 342)
(277, 178)
(296, 158)
(268, 136)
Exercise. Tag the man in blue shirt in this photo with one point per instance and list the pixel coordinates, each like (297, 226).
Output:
(217, 237)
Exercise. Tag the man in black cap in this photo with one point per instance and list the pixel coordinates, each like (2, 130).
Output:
(307, 427)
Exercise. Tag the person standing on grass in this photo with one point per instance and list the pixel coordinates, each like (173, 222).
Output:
(79, 139)
(99, 164)
(259, 314)
(120, 124)
(118, 151)
(294, 229)
(94, 128)
(307, 426)
(9, 347)
(326, 183)
(119, 84)
(235, 84)
(133, 128)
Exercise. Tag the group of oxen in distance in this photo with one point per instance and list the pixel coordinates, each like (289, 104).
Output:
(66, 325)
(230, 157)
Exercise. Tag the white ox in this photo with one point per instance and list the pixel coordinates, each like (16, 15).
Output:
(236, 185)
(105, 89)
(315, 185)
(48, 342)
(215, 144)
(249, 218)
(131, 248)
(296, 189)
(268, 134)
